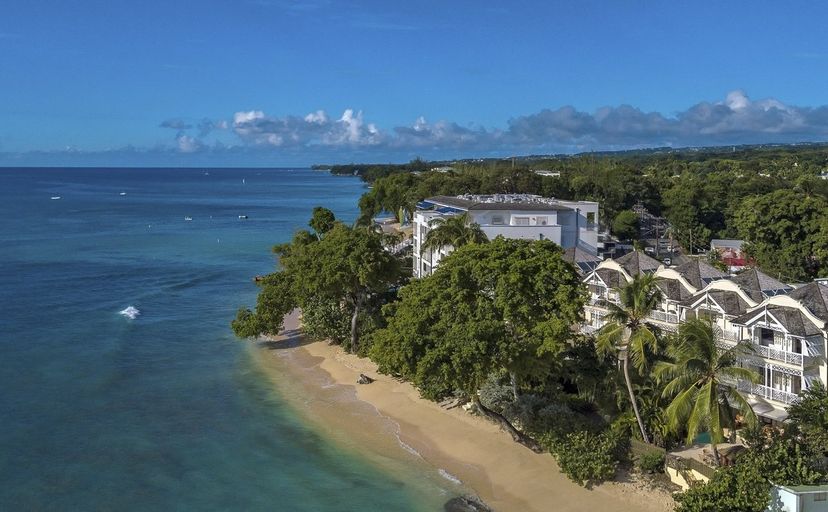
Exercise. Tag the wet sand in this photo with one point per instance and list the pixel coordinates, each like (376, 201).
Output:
(388, 419)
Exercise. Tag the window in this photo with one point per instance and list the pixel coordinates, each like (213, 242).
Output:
(521, 221)
(542, 221)
(497, 219)
(590, 216)
(821, 496)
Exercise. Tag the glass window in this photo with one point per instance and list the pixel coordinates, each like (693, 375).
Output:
(497, 219)
(542, 221)
(590, 216)
(821, 496)
(521, 221)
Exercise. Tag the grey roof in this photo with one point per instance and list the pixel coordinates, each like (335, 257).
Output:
(724, 242)
(759, 285)
(612, 278)
(730, 302)
(698, 273)
(791, 319)
(474, 204)
(583, 261)
(637, 263)
(672, 289)
(813, 296)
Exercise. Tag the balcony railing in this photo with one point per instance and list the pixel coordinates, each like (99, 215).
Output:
(661, 316)
(767, 392)
(778, 355)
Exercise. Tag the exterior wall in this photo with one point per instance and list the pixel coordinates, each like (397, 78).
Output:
(803, 499)
(567, 228)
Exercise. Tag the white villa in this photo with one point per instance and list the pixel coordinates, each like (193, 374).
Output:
(570, 224)
(787, 327)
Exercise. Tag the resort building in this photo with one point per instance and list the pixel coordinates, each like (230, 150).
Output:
(570, 224)
(787, 327)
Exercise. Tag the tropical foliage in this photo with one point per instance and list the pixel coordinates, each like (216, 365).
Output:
(628, 336)
(701, 378)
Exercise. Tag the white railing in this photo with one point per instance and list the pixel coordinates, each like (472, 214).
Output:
(661, 316)
(729, 335)
(778, 355)
(767, 392)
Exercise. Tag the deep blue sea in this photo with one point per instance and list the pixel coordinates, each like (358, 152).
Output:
(165, 411)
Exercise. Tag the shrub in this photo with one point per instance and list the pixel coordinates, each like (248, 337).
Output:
(651, 462)
(588, 458)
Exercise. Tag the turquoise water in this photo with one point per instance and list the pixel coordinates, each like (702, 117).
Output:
(165, 411)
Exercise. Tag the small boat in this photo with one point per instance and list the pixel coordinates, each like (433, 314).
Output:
(243, 216)
(54, 198)
(188, 218)
(122, 194)
(243, 182)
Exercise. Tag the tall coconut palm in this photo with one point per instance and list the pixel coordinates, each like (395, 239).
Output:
(627, 335)
(701, 380)
(454, 230)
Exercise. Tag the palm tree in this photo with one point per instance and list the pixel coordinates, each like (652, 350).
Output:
(701, 378)
(455, 231)
(627, 333)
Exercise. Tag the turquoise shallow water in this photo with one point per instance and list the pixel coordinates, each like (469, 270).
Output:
(165, 411)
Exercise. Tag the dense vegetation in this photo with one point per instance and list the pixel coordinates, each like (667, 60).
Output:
(703, 195)
(493, 325)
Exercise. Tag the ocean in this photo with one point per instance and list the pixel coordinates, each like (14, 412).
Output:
(123, 387)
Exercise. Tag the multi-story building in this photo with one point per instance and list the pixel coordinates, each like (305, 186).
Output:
(570, 224)
(786, 328)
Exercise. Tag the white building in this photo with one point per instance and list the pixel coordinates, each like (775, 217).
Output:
(570, 224)
(786, 327)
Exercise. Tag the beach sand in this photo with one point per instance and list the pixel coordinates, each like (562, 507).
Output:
(386, 413)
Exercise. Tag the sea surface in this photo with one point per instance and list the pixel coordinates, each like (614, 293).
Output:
(121, 385)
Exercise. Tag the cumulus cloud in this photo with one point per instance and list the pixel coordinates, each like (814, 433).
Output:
(314, 129)
(736, 119)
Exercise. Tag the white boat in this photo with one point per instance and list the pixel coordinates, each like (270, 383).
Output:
(122, 194)
(55, 198)
(243, 216)
(188, 218)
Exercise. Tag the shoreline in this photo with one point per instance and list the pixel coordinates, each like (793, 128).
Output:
(457, 445)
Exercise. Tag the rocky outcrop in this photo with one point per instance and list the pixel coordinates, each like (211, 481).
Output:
(466, 504)
(364, 379)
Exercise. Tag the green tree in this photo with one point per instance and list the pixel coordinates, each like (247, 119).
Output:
(455, 231)
(328, 278)
(785, 233)
(275, 300)
(322, 221)
(505, 307)
(808, 418)
(700, 378)
(627, 335)
(625, 225)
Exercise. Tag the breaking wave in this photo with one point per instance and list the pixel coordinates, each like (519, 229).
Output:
(131, 312)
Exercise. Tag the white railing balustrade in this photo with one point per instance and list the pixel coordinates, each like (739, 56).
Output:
(767, 392)
(778, 355)
(661, 316)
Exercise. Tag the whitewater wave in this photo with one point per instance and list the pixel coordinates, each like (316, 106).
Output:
(131, 312)
(448, 476)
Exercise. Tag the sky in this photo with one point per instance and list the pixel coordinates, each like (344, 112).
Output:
(289, 82)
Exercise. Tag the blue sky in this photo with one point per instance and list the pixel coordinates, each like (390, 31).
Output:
(282, 82)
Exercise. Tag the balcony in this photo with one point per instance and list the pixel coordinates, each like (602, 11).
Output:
(779, 355)
(661, 316)
(767, 392)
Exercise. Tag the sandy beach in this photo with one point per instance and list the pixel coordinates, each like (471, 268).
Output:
(507, 476)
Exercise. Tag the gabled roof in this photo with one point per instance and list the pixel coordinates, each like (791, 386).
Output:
(813, 296)
(698, 273)
(730, 302)
(672, 289)
(612, 278)
(791, 319)
(637, 263)
(759, 285)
